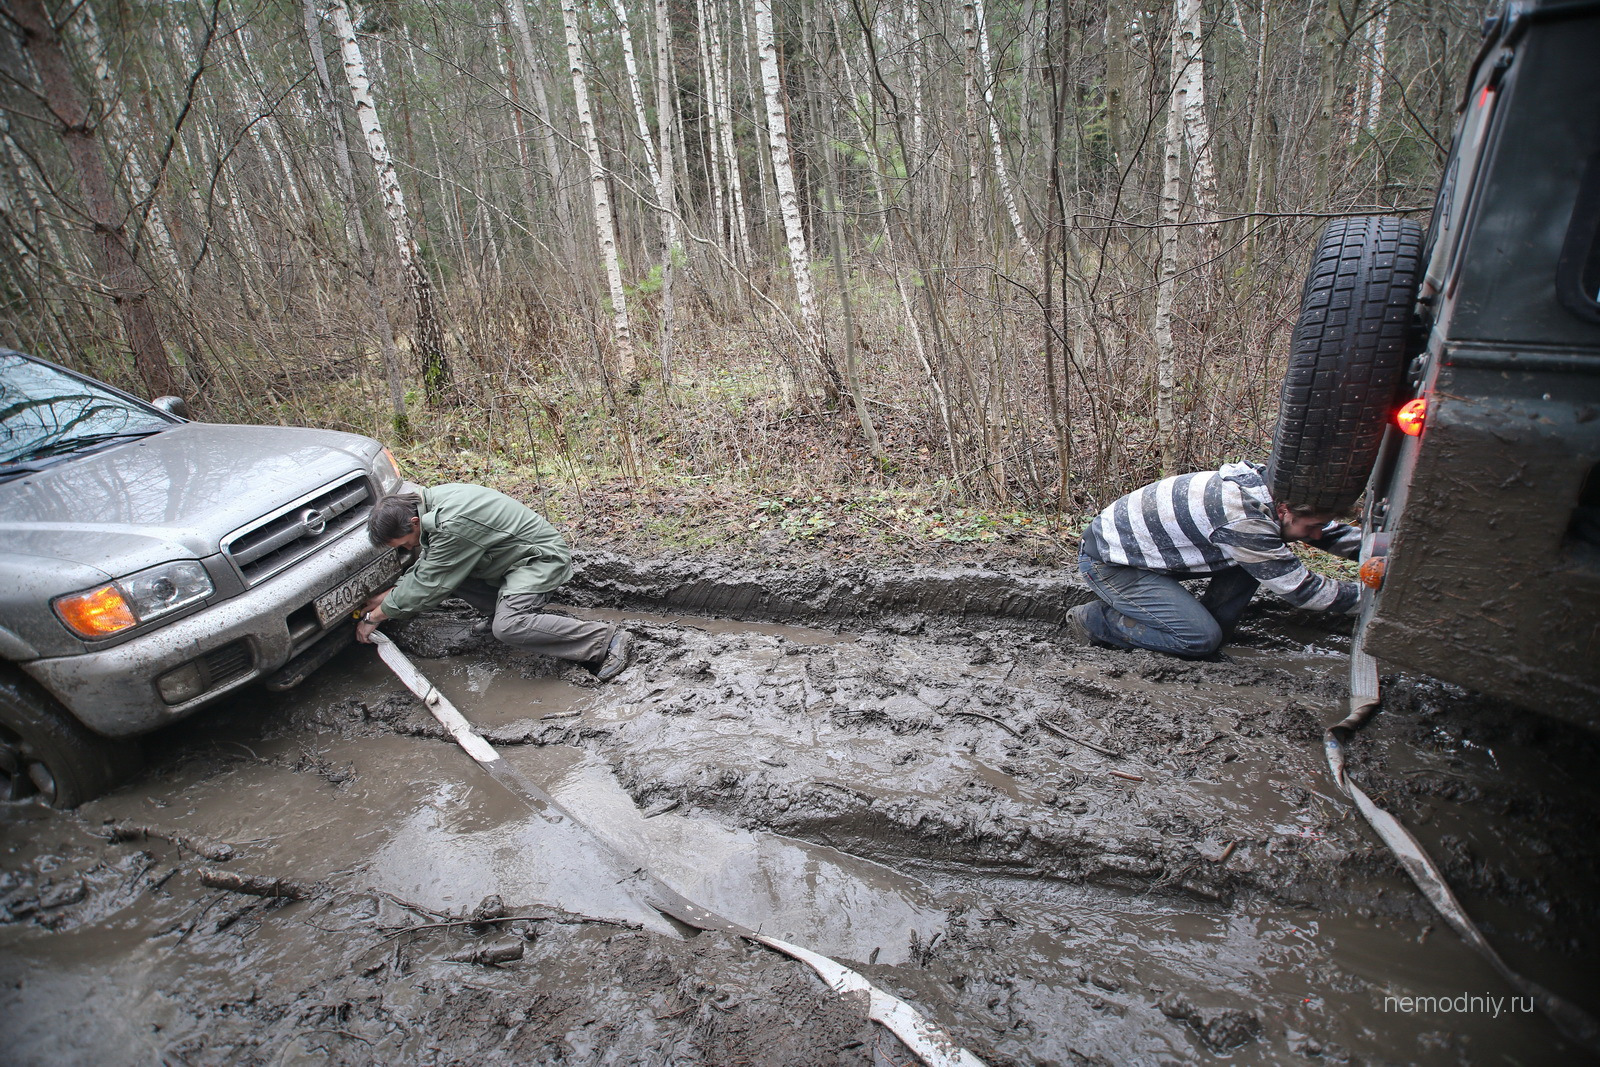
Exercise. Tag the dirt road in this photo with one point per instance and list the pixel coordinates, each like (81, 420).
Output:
(1062, 855)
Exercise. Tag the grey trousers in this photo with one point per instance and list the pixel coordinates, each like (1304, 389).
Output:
(519, 622)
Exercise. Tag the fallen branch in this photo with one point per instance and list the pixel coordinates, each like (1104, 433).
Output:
(253, 885)
(1126, 776)
(1075, 739)
(215, 851)
(564, 918)
(492, 956)
(991, 718)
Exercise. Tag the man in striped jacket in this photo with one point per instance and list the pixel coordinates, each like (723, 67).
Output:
(1220, 524)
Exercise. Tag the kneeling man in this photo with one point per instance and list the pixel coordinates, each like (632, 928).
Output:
(1220, 524)
(498, 555)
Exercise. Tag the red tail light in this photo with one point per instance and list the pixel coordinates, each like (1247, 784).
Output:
(1411, 416)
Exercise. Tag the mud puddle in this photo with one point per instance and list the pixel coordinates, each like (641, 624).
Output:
(1062, 855)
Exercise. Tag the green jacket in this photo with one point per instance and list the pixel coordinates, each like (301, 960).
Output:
(471, 531)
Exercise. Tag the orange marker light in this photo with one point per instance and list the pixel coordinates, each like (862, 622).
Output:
(97, 613)
(1371, 573)
(1411, 416)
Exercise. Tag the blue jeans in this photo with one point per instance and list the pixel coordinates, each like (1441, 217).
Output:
(1143, 609)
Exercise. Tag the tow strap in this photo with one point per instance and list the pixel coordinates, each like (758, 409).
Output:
(931, 1042)
(1571, 1020)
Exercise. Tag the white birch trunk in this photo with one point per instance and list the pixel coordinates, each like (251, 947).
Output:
(1171, 204)
(657, 160)
(604, 220)
(666, 122)
(1378, 58)
(435, 371)
(1189, 95)
(1001, 173)
(969, 81)
(722, 87)
(123, 132)
(535, 73)
(783, 179)
(713, 130)
(355, 224)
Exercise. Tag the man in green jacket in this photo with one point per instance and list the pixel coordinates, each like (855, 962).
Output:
(498, 555)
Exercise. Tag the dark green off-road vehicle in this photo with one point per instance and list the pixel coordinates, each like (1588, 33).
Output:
(1480, 335)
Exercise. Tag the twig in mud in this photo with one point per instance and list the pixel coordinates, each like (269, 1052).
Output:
(215, 851)
(1059, 732)
(547, 917)
(493, 956)
(561, 715)
(674, 1015)
(1220, 860)
(1126, 776)
(1201, 746)
(418, 908)
(341, 1033)
(253, 885)
(991, 718)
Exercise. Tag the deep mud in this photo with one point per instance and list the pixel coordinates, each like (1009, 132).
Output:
(1061, 854)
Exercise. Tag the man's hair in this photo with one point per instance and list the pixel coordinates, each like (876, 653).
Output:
(391, 517)
(1312, 511)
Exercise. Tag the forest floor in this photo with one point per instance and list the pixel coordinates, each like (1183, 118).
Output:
(1059, 854)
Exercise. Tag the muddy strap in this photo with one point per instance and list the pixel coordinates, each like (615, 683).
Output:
(1573, 1021)
(931, 1042)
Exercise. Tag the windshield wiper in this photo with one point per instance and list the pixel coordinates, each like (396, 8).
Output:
(84, 443)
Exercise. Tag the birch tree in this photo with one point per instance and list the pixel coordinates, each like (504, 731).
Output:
(355, 223)
(657, 159)
(436, 381)
(544, 118)
(788, 201)
(604, 221)
(1001, 171)
(1171, 206)
(124, 282)
(1189, 92)
(667, 125)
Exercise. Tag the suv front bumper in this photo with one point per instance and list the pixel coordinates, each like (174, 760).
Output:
(244, 638)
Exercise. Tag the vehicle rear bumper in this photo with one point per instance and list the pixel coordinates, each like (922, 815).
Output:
(236, 642)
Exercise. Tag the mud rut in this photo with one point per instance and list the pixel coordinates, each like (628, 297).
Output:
(1063, 855)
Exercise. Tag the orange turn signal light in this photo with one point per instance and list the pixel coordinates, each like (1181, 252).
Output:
(1371, 573)
(98, 613)
(1411, 416)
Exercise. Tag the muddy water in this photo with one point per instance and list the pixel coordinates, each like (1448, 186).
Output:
(888, 799)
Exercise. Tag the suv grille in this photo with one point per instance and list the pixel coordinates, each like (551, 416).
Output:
(293, 532)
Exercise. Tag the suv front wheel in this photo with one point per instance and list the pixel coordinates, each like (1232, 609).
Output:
(46, 753)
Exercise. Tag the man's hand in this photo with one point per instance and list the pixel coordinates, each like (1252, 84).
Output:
(371, 615)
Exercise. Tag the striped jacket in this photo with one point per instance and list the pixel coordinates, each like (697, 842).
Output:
(1197, 524)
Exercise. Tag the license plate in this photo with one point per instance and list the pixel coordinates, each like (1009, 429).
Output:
(344, 600)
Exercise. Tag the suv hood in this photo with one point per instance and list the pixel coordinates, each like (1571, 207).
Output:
(173, 495)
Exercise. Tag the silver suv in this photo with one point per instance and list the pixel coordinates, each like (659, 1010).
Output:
(150, 565)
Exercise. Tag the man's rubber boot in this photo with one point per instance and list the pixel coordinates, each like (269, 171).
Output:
(1078, 626)
(619, 653)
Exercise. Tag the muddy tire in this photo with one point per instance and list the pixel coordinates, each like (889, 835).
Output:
(1356, 332)
(48, 755)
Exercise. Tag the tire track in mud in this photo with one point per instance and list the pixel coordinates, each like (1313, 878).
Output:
(1227, 902)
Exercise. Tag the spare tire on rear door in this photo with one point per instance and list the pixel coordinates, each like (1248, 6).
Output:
(1355, 334)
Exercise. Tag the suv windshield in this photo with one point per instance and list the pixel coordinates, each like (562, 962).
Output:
(47, 412)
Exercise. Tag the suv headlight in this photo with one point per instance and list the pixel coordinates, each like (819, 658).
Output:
(385, 473)
(137, 598)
